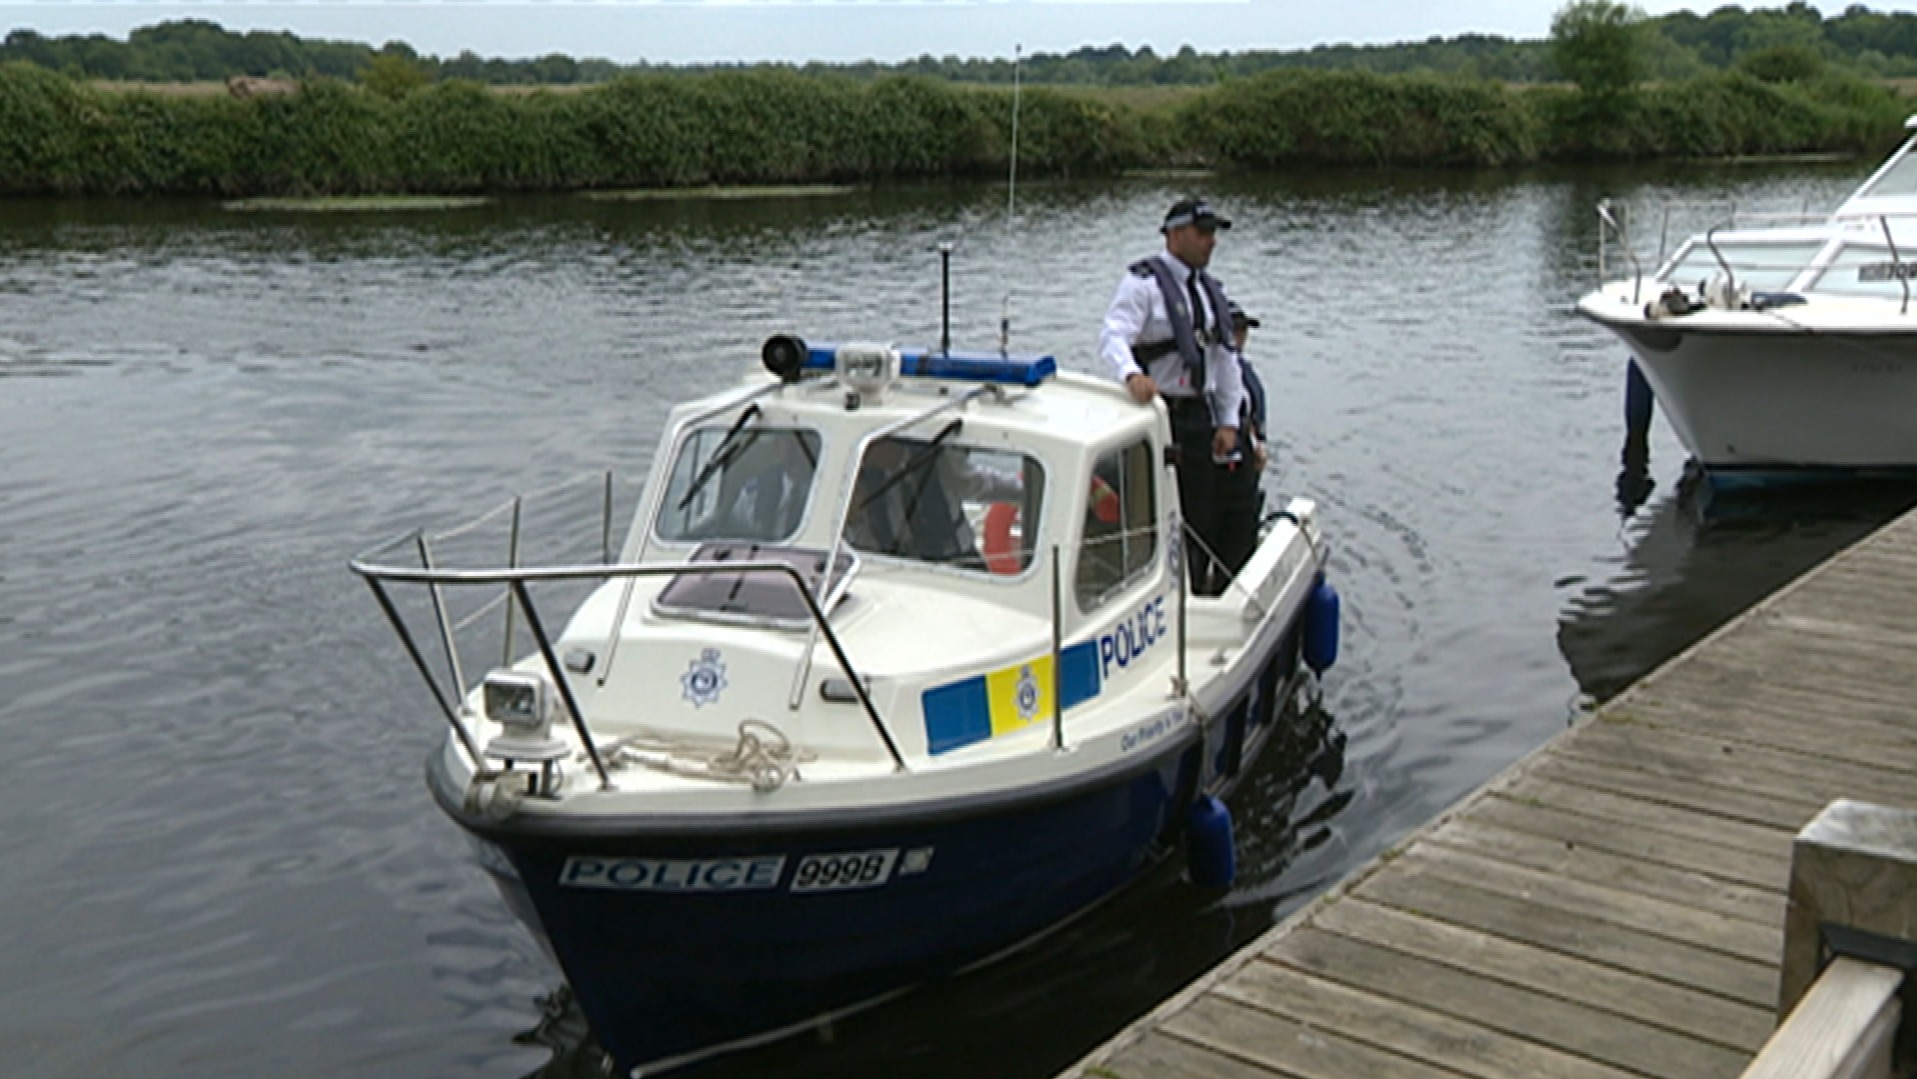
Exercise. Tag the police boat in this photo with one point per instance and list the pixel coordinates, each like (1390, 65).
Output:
(895, 670)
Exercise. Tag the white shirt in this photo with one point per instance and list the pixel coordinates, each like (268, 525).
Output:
(1137, 316)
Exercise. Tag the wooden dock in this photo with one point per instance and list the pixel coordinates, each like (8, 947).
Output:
(1612, 907)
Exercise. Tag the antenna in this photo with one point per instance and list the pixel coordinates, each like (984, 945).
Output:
(1011, 188)
(1011, 197)
(945, 298)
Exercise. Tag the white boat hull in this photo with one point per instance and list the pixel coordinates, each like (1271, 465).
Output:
(1748, 393)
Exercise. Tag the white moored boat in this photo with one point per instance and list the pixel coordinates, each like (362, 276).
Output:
(1784, 345)
(895, 671)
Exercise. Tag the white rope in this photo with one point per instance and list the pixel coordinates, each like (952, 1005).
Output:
(763, 756)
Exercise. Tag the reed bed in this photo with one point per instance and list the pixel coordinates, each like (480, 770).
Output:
(775, 128)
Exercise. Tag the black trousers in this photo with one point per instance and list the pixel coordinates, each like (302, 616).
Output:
(1215, 500)
(1241, 504)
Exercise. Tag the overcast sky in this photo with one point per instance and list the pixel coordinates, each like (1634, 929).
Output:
(684, 31)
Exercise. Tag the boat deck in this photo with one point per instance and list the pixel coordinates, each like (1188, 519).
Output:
(1612, 907)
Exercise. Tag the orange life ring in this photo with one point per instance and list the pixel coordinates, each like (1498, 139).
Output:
(1001, 554)
(1104, 502)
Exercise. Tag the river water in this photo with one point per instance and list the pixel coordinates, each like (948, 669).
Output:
(220, 859)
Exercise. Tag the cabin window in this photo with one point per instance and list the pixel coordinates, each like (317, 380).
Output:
(748, 484)
(962, 506)
(1867, 270)
(1121, 524)
(1765, 266)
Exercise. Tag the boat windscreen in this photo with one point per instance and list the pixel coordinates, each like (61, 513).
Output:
(1865, 270)
(1897, 181)
(747, 483)
(1759, 265)
(931, 501)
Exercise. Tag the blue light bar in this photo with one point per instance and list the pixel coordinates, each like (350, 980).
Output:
(964, 366)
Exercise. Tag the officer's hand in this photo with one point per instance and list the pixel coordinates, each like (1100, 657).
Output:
(1223, 441)
(1142, 387)
(1259, 458)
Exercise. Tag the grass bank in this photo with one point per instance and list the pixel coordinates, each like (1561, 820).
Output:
(784, 128)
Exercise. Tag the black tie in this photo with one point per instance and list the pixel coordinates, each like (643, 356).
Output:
(1197, 308)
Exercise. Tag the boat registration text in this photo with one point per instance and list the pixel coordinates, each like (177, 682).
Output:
(836, 872)
(673, 874)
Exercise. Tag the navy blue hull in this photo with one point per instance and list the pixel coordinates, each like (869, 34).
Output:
(663, 971)
(1740, 478)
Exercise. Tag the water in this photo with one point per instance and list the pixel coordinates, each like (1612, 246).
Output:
(220, 856)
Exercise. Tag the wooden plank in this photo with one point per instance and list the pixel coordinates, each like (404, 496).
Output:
(1664, 759)
(1843, 627)
(1731, 673)
(1157, 1056)
(1819, 780)
(1732, 665)
(1580, 901)
(1742, 1027)
(1549, 1021)
(1841, 1030)
(1861, 565)
(1808, 664)
(1869, 599)
(1887, 560)
(1400, 1028)
(1655, 756)
(1546, 927)
(1809, 733)
(1635, 875)
(1749, 751)
(1747, 806)
(1885, 565)
(1701, 682)
(1809, 635)
(1806, 732)
(1266, 1044)
(1767, 873)
(1765, 841)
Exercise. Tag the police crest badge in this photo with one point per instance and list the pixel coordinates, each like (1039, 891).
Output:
(705, 679)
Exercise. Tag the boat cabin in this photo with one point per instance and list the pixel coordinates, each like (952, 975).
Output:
(977, 482)
(951, 514)
(1867, 249)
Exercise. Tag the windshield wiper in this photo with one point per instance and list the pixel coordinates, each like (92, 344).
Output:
(911, 466)
(724, 455)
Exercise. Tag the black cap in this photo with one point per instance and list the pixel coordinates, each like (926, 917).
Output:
(1192, 212)
(1238, 316)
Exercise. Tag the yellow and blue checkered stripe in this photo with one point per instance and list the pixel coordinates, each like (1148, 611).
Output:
(1011, 698)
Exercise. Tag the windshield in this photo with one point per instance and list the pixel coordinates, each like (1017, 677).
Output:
(1866, 270)
(747, 483)
(1900, 179)
(1766, 265)
(954, 505)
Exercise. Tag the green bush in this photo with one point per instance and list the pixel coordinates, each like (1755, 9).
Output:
(1782, 63)
(780, 126)
(1356, 118)
(1726, 115)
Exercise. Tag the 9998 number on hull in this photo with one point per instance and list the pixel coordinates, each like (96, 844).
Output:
(844, 872)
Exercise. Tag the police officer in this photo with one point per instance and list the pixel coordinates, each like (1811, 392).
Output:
(1241, 499)
(1252, 433)
(1167, 334)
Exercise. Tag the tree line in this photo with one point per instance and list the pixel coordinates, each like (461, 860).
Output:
(1678, 46)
